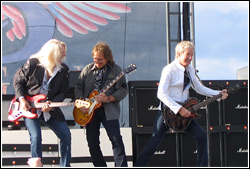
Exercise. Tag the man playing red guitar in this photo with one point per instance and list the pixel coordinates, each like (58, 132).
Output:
(45, 73)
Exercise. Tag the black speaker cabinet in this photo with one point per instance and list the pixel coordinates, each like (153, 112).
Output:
(164, 156)
(236, 108)
(143, 103)
(189, 152)
(236, 149)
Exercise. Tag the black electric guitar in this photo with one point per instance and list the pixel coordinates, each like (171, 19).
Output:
(179, 123)
(84, 119)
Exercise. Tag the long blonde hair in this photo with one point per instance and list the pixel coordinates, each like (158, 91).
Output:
(51, 54)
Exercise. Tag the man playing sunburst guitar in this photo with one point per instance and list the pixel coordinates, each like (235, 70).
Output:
(176, 79)
(104, 106)
(45, 77)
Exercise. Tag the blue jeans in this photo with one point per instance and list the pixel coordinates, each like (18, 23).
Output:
(59, 128)
(159, 131)
(112, 128)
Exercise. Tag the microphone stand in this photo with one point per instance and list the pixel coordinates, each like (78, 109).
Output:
(208, 123)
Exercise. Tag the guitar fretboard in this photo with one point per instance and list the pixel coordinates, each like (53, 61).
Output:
(201, 104)
(113, 82)
(54, 104)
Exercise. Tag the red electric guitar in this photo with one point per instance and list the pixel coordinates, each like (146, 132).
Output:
(15, 113)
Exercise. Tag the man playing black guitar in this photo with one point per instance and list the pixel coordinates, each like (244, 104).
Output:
(176, 79)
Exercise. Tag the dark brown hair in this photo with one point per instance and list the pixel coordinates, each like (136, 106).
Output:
(102, 46)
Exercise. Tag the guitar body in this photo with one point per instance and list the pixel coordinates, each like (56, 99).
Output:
(175, 121)
(14, 112)
(178, 123)
(85, 118)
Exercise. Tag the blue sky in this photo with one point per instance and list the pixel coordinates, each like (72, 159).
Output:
(221, 39)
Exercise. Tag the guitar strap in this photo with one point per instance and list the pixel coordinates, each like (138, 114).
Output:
(161, 105)
(105, 76)
(100, 85)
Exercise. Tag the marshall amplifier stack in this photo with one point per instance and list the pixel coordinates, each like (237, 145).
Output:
(226, 123)
(143, 104)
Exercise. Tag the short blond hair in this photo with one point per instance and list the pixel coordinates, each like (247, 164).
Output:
(182, 46)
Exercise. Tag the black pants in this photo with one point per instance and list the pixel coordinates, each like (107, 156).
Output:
(112, 128)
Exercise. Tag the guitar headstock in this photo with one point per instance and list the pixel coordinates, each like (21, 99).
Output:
(81, 103)
(130, 68)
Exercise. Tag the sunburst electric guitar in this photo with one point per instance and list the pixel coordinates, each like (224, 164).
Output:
(15, 113)
(178, 123)
(84, 119)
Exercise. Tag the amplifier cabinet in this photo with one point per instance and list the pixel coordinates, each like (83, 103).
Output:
(165, 154)
(236, 108)
(236, 149)
(188, 150)
(143, 103)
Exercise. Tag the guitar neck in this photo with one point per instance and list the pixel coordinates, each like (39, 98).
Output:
(113, 82)
(209, 100)
(53, 104)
